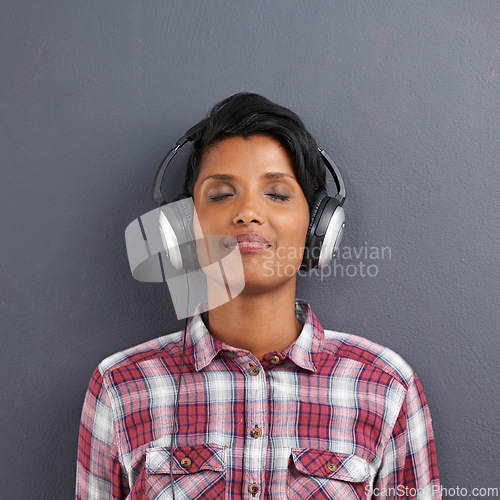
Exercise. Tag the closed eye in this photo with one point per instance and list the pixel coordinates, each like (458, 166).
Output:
(219, 197)
(277, 196)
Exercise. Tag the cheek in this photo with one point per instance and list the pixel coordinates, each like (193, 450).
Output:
(208, 238)
(305, 226)
(300, 224)
(293, 233)
(198, 232)
(204, 240)
(204, 219)
(201, 249)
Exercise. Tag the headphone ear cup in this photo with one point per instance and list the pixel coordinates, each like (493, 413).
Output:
(177, 234)
(309, 251)
(333, 236)
(327, 222)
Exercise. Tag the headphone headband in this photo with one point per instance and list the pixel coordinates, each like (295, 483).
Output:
(333, 169)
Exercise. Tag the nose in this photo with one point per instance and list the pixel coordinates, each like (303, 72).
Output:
(248, 211)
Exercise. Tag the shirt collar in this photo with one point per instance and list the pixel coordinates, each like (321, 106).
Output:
(204, 347)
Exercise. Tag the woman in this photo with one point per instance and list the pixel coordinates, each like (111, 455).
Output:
(270, 404)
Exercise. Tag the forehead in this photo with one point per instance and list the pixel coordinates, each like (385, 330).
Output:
(240, 155)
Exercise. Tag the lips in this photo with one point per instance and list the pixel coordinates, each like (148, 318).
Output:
(248, 242)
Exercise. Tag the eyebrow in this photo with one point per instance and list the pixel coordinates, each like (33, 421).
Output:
(229, 177)
(277, 175)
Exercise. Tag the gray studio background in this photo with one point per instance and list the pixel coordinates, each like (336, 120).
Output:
(404, 95)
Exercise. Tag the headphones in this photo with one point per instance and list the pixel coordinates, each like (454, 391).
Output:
(324, 234)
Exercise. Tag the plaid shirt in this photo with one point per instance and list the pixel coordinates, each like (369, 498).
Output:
(331, 416)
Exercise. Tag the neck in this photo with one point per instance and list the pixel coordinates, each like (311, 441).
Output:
(259, 323)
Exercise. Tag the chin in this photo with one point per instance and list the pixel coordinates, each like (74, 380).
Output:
(256, 283)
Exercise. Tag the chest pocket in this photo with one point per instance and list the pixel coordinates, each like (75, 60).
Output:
(199, 472)
(321, 474)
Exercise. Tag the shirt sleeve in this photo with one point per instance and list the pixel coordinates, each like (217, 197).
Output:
(99, 473)
(409, 466)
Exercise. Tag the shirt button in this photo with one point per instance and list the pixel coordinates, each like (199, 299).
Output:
(185, 462)
(253, 489)
(254, 370)
(274, 360)
(331, 466)
(256, 432)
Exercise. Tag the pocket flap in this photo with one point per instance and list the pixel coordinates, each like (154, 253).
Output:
(330, 464)
(186, 459)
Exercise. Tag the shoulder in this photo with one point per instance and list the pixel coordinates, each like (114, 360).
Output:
(166, 345)
(360, 350)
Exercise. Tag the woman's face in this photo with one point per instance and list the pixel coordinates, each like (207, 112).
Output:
(248, 195)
